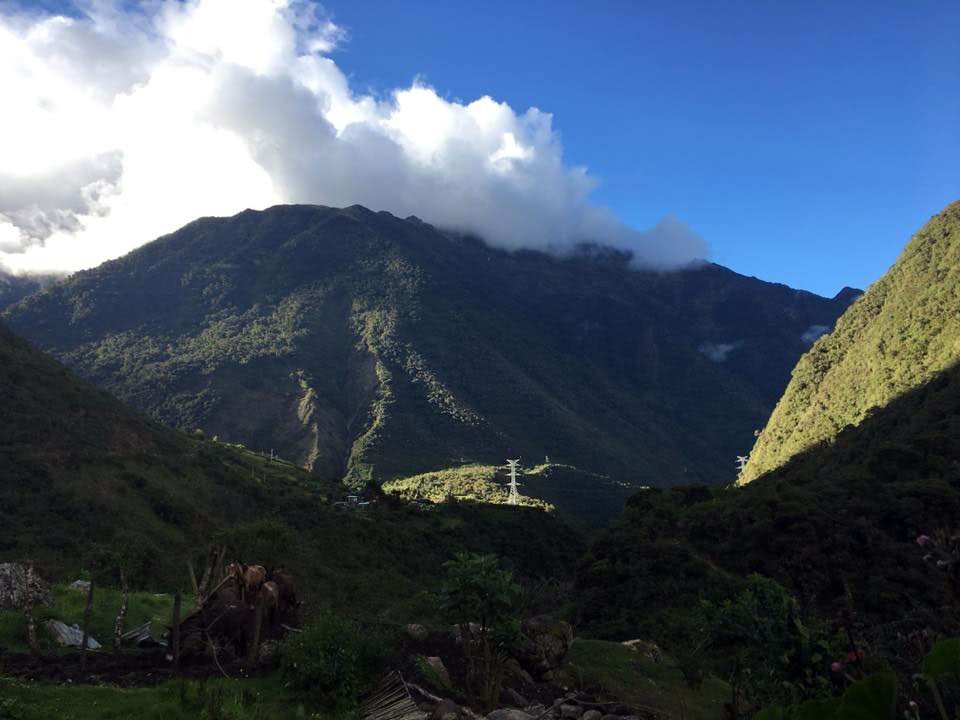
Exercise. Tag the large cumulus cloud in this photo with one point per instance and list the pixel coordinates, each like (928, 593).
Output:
(123, 124)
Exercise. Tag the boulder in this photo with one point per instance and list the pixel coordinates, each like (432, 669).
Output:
(511, 698)
(13, 583)
(508, 714)
(82, 586)
(69, 635)
(570, 712)
(416, 632)
(436, 665)
(515, 676)
(648, 650)
(591, 715)
(446, 710)
(546, 642)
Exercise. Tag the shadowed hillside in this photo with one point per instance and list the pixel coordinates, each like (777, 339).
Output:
(83, 475)
(358, 344)
(837, 525)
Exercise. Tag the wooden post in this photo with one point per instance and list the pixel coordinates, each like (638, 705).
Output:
(122, 615)
(221, 570)
(193, 583)
(254, 650)
(209, 560)
(86, 627)
(175, 632)
(28, 611)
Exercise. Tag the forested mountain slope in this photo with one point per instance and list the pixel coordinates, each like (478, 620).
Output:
(901, 333)
(83, 478)
(361, 345)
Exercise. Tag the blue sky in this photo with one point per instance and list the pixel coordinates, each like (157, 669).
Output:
(805, 141)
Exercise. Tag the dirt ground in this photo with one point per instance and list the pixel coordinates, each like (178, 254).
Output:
(132, 668)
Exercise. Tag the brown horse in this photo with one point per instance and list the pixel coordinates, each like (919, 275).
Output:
(270, 597)
(249, 578)
(288, 590)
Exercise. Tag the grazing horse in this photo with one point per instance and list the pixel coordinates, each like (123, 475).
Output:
(249, 578)
(270, 597)
(288, 591)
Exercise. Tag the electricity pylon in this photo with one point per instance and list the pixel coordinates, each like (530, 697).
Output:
(514, 498)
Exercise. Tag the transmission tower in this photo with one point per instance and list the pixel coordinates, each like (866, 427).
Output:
(514, 498)
(741, 462)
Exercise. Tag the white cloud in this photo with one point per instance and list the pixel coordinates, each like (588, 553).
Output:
(718, 352)
(121, 125)
(813, 333)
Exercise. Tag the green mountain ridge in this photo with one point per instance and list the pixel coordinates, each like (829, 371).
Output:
(840, 522)
(364, 346)
(902, 332)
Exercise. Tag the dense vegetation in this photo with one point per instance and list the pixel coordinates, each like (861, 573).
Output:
(358, 344)
(15, 287)
(837, 526)
(84, 475)
(902, 332)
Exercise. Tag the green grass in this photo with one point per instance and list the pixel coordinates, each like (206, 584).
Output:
(478, 483)
(586, 500)
(69, 607)
(216, 698)
(618, 673)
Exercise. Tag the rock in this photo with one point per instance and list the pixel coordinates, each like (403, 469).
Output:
(69, 635)
(508, 714)
(591, 715)
(546, 642)
(515, 675)
(510, 697)
(269, 653)
(571, 712)
(474, 629)
(446, 710)
(141, 636)
(13, 582)
(436, 665)
(416, 632)
(82, 586)
(648, 650)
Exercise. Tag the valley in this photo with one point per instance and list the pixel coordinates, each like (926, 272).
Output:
(337, 425)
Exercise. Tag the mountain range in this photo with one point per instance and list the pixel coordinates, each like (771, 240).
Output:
(364, 346)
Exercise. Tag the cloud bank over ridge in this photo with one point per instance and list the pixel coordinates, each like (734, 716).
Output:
(121, 125)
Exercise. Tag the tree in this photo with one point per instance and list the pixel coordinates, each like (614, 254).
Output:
(479, 597)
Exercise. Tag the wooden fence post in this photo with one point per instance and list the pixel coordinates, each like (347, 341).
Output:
(121, 616)
(86, 627)
(28, 611)
(175, 632)
(254, 650)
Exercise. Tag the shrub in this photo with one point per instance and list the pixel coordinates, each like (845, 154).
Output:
(333, 662)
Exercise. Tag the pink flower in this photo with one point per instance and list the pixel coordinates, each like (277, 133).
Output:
(923, 539)
(836, 666)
